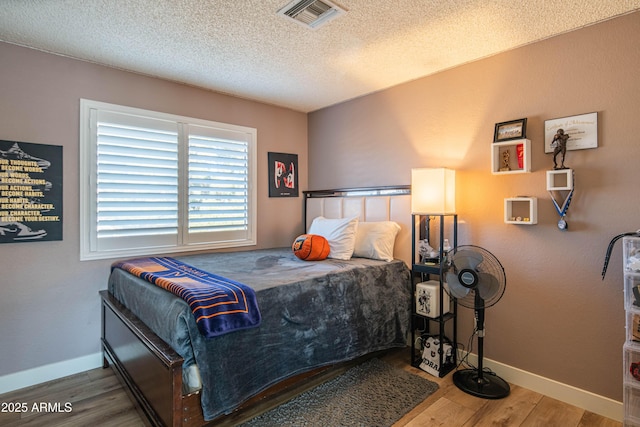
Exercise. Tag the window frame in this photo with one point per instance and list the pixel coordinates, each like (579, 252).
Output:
(88, 184)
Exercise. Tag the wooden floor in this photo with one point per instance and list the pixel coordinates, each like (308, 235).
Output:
(96, 398)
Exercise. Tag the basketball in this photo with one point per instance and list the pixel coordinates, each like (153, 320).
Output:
(311, 247)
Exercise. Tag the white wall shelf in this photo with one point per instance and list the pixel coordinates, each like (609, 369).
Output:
(518, 157)
(521, 210)
(560, 179)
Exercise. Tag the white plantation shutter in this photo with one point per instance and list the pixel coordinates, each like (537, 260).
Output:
(137, 181)
(162, 183)
(218, 187)
(218, 184)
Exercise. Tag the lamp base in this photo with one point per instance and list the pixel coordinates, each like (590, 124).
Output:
(486, 386)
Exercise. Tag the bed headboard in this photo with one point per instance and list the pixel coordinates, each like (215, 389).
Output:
(369, 204)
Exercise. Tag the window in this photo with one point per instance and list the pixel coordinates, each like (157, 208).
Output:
(158, 183)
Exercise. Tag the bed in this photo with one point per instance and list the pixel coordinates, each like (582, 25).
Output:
(313, 315)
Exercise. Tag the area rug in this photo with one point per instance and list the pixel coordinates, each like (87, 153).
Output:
(373, 393)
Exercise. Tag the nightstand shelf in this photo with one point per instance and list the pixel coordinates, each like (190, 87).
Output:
(424, 327)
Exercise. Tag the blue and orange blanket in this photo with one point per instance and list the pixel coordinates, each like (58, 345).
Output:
(219, 305)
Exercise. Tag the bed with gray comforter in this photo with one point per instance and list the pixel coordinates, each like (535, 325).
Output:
(313, 314)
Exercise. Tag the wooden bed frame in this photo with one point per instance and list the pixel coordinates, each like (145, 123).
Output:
(152, 371)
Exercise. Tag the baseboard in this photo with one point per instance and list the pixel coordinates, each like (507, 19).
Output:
(50, 372)
(572, 395)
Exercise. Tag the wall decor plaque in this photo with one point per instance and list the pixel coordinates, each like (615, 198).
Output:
(283, 175)
(30, 192)
(582, 131)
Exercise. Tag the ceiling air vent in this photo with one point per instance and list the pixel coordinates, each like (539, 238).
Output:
(311, 13)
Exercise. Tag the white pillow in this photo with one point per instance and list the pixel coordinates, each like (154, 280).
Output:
(376, 240)
(341, 234)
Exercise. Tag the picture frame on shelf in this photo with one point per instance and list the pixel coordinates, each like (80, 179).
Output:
(582, 130)
(507, 131)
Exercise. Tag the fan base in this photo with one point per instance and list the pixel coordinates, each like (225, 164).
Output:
(490, 386)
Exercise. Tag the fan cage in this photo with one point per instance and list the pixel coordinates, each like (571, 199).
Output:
(489, 265)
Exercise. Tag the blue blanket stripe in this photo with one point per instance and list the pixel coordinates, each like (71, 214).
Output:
(219, 305)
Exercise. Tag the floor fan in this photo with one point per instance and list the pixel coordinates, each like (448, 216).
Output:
(477, 280)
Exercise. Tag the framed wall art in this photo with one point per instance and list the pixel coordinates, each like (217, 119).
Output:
(30, 192)
(582, 131)
(507, 131)
(283, 175)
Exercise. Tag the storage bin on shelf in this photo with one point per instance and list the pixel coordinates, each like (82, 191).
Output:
(631, 404)
(632, 291)
(631, 253)
(428, 299)
(632, 364)
(633, 325)
(631, 348)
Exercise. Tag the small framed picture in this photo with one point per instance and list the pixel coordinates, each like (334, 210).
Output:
(506, 131)
(283, 175)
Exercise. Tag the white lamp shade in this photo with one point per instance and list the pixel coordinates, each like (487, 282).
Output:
(433, 191)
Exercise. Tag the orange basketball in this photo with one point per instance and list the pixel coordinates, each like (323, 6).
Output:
(311, 247)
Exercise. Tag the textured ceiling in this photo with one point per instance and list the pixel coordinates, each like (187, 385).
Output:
(242, 47)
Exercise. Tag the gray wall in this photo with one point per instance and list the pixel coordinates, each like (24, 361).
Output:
(49, 304)
(557, 318)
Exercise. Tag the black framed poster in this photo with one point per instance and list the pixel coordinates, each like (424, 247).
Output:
(30, 192)
(283, 175)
